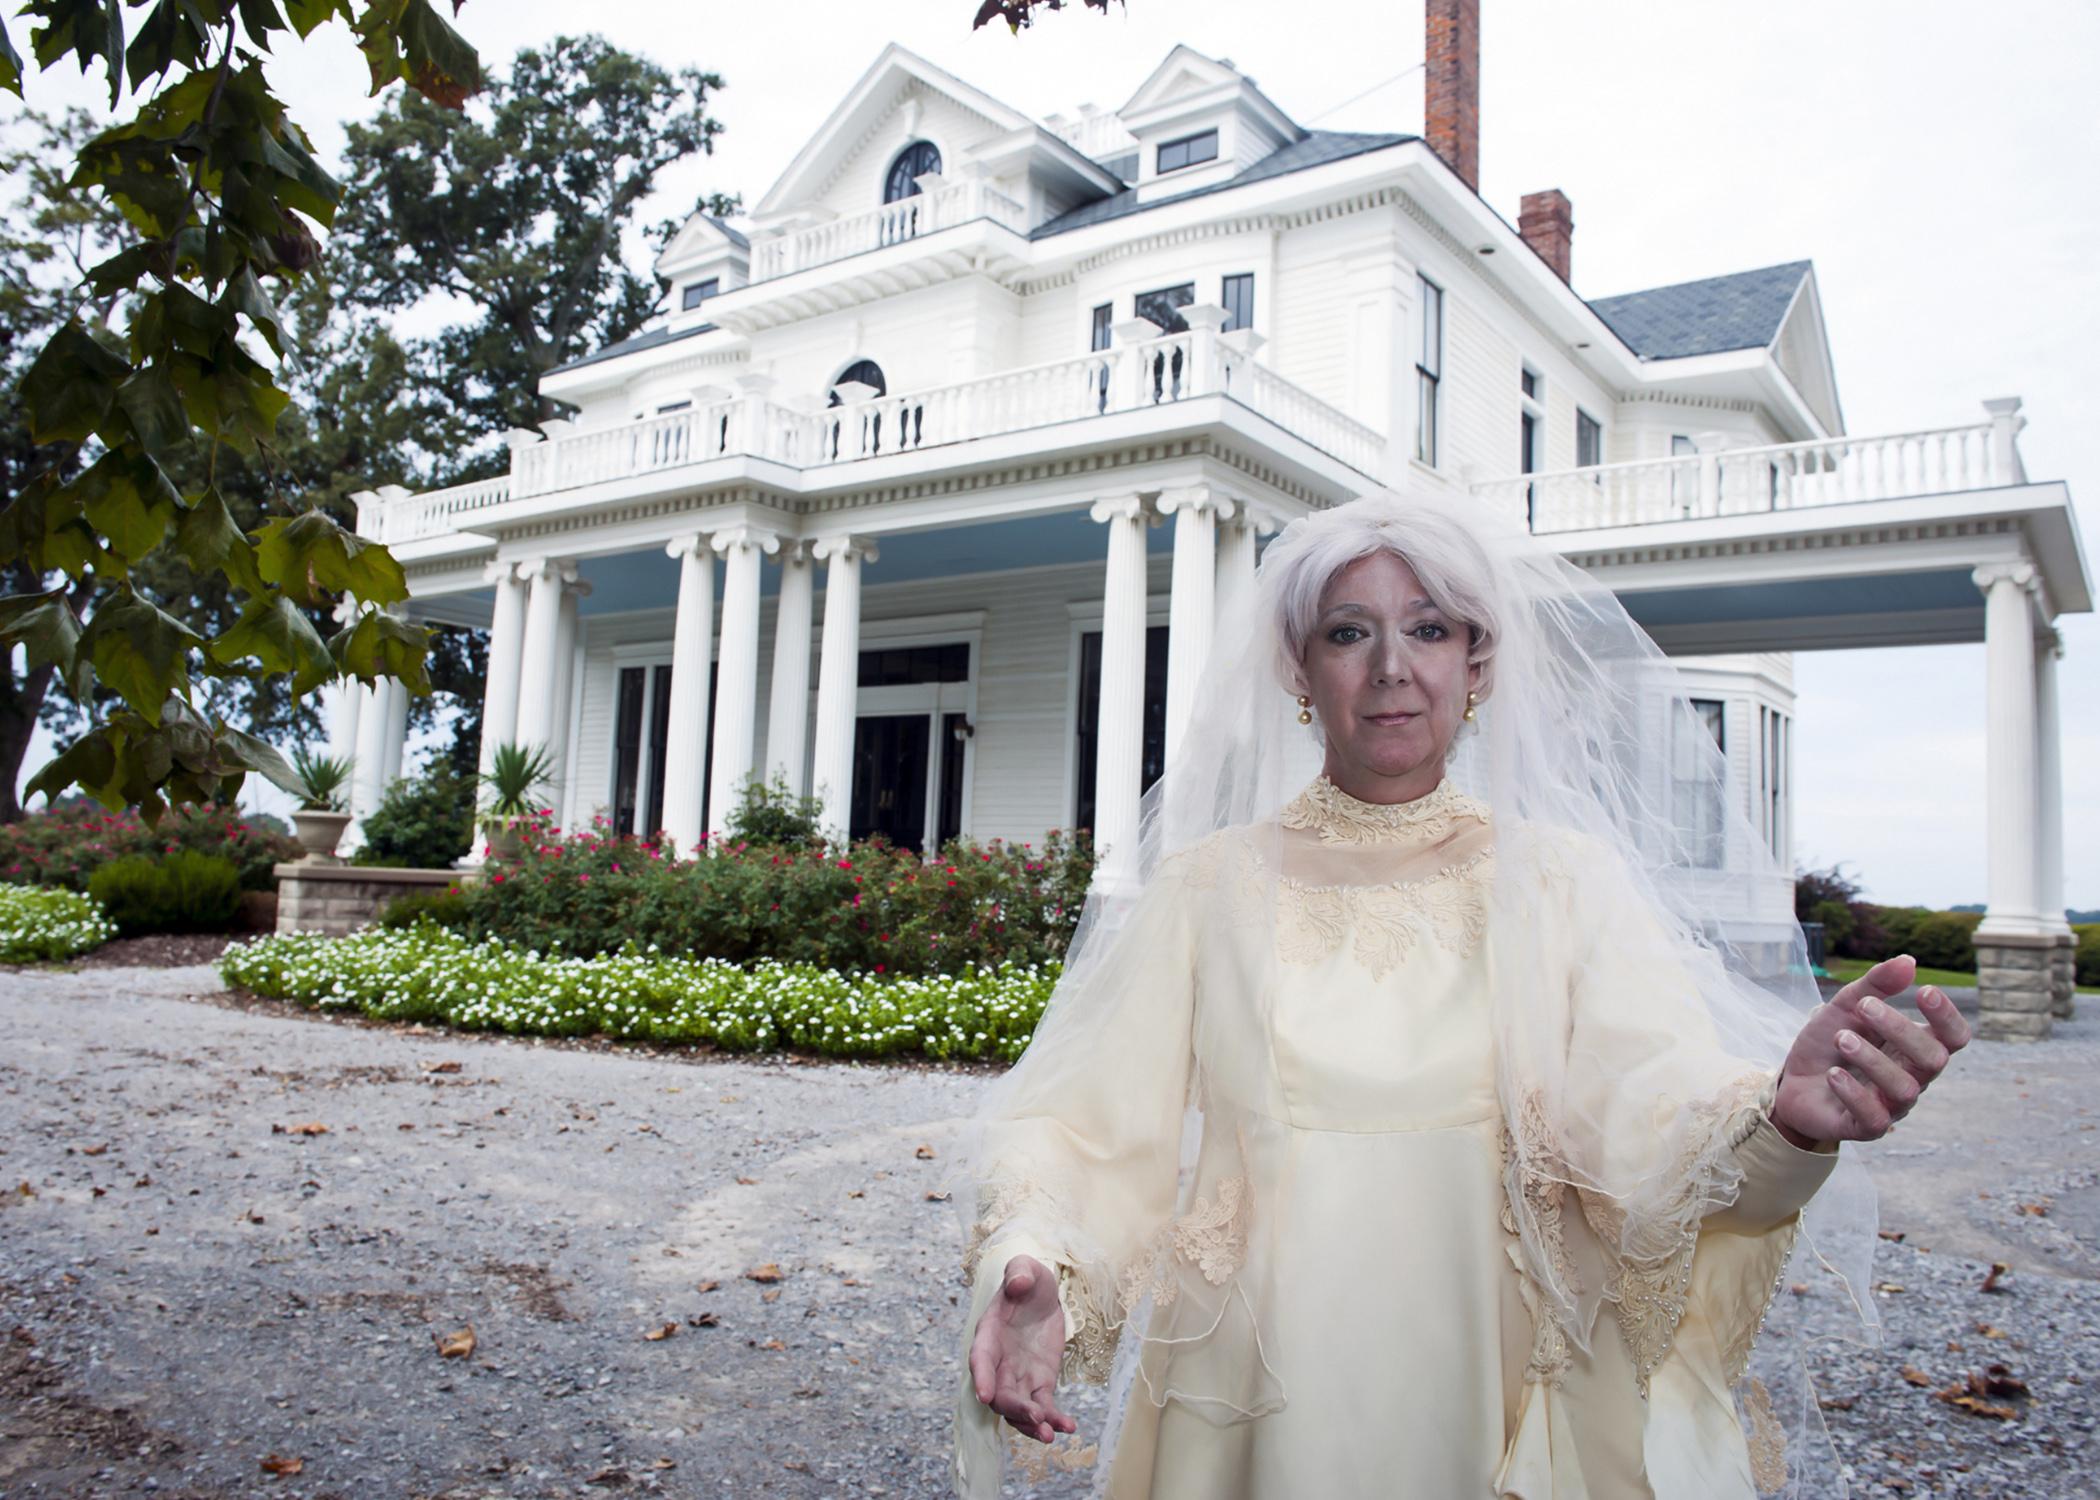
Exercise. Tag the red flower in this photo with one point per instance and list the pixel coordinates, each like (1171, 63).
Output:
(495, 880)
(878, 968)
(845, 864)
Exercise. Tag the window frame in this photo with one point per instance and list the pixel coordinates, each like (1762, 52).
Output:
(911, 184)
(709, 287)
(1588, 427)
(1226, 284)
(1187, 158)
(1429, 369)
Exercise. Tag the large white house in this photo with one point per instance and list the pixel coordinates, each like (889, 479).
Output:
(927, 490)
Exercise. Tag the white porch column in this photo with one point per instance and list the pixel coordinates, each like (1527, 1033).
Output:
(340, 702)
(736, 689)
(838, 676)
(537, 680)
(396, 740)
(499, 698)
(1119, 747)
(368, 773)
(1234, 585)
(567, 626)
(2049, 816)
(1196, 510)
(787, 723)
(685, 734)
(2012, 943)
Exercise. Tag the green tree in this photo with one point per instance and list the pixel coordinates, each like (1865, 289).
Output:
(141, 415)
(518, 208)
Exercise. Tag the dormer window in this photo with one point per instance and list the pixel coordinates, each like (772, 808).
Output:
(699, 292)
(1189, 151)
(912, 163)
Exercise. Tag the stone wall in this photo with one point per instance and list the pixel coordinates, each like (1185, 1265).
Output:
(2016, 984)
(325, 896)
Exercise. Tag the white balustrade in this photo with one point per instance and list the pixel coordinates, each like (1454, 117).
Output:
(1743, 481)
(441, 512)
(891, 224)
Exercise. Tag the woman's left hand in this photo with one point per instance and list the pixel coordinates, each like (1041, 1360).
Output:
(1860, 1065)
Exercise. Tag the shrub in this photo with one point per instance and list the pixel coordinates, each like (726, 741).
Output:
(67, 844)
(2088, 953)
(1945, 940)
(871, 907)
(423, 822)
(776, 817)
(42, 925)
(447, 908)
(428, 974)
(1850, 933)
(185, 892)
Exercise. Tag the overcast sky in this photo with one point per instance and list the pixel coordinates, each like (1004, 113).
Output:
(1935, 160)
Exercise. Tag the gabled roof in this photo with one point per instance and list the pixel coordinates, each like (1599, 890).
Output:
(699, 230)
(1317, 149)
(1187, 73)
(1714, 316)
(634, 345)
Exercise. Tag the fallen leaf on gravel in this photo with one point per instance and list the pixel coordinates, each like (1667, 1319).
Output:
(796, 1464)
(611, 1478)
(1968, 1395)
(94, 1150)
(1992, 1331)
(768, 1272)
(97, 1191)
(1990, 1282)
(666, 1463)
(442, 1067)
(251, 1216)
(144, 1181)
(856, 1193)
(850, 1281)
(747, 1182)
(25, 1189)
(1915, 1375)
(924, 1153)
(272, 1464)
(1836, 1403)
(938, 1197)
(705, 1320)
(809, 1390)
(708, 1286)
(2000, 1381)
(772, 1296)
(1893, 1234)
(658, 1334)
(404, 1125)
(2039, 1210)
(311, 1127)
(1889, 1286)
(1798, 1288)
(772, 1344)
(456, 1345)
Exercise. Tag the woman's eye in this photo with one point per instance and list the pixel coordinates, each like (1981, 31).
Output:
(1342, 635)
(1432, 632)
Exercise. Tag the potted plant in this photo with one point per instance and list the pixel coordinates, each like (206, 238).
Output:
(323, 812)
(515, 772)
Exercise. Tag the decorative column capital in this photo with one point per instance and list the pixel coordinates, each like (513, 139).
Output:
(2020, 574)
(693, 545)
(1137, 507)
(1196, 499)
(753, 538)
(845, 546)
(794, 551)
(503, 570)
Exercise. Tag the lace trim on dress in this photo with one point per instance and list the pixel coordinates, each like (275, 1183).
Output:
(1767, 1441)
(1450, 907)
(1339, 818)
(1544, 1195)
(1038, 1461)
(1211, 1236)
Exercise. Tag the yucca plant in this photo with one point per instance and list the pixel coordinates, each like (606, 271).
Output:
(515, 773)
(324, 780)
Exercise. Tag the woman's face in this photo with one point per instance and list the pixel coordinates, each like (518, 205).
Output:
(1387, 674)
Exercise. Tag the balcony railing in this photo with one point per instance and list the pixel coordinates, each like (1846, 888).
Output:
(893, 223)
(1136, 377)
(1747, 481)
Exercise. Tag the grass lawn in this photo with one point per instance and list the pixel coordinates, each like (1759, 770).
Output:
(1845, 970)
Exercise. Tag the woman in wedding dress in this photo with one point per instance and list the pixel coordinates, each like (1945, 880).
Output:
(1437, 1106)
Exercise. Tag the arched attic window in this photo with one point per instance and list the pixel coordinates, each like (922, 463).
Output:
(865, 371)
(914, 160)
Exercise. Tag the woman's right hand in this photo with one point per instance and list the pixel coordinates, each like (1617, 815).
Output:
(1017, 1349)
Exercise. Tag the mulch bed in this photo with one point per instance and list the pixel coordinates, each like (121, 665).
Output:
(161, 950)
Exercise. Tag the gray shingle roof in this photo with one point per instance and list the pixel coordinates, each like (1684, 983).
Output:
(1317, 149)
(634, 345)
(734, 236)
(1742, 311)
(1123, 168)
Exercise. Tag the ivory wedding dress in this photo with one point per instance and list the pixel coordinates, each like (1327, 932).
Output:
(1333, 1303)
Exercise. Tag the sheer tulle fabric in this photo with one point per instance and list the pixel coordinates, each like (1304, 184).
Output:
(1582, 859)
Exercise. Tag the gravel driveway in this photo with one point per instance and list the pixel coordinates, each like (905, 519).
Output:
(200, 1284)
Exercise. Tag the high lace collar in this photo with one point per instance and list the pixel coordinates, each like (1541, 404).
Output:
(1339, 818)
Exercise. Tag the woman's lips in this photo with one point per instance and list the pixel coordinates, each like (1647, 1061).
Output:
(1391, 718)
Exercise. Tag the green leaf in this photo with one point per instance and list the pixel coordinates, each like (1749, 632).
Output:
(257, 755)
(48, 631)
(246, 295)
(278, 635)
(158, 421)
(10, 64)
(68, 389)
(260, 17)
(90, 763)
(379, 645)
(127, 501)
(209, 540)
(307, 14)
(139, 651)
(301, 182)
(310, 555)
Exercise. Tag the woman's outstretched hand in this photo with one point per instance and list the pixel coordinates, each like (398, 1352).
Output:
(1018, 1346)
(1860, 1065)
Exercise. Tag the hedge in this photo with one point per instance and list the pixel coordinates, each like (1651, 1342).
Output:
(66, 845)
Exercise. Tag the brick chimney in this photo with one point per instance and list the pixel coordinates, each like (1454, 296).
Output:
(1547, 222)
(1451, 85)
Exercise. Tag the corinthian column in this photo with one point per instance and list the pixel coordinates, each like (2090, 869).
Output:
(838, 676)
(736, 688)
(685, 733)
(1119, 745)
(536, 672)
(2012, 946)
(1197, 511)
(787, 723)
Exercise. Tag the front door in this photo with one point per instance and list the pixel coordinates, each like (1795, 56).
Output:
(889, 778)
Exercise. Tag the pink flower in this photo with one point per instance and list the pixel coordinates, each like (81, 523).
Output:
(845, 864)
(616, 867)
(495, 880)
(878, 968)
(583, 879)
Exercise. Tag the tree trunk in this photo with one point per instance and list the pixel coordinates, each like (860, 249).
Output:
(20, 699)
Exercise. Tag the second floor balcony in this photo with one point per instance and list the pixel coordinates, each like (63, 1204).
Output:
(944, 205)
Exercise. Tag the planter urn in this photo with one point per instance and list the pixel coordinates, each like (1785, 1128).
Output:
(506, 842)
(319, 830)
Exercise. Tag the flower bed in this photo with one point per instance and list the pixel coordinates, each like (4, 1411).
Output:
(37, 926)
(65, 846)
(426, 973)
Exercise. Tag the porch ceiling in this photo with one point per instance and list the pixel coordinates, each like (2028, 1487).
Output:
(1808, 614)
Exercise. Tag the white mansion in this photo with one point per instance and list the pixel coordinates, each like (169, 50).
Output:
(927, 490)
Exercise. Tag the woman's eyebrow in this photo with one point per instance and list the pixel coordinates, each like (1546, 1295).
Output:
(1363, 609)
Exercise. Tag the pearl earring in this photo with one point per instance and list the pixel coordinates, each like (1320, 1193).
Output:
(1471, 699)
(1304, 709)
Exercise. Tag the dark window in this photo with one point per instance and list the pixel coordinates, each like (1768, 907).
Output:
(913, 162)
(1153, 756)
(1530, 381)
(659, 738)
(699, 292)
(1589, 440)
(1701, 813)
(889, 778)
(948, 817)
(1164, 306)
(1104, 320)
(1189, 151)
(1429, 370)
(643, 697)
(901, 666)
(1239, 302)
(671, 406)
(865, 372)
(1528, 461)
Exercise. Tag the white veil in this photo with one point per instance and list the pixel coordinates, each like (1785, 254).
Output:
(1602, 782)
